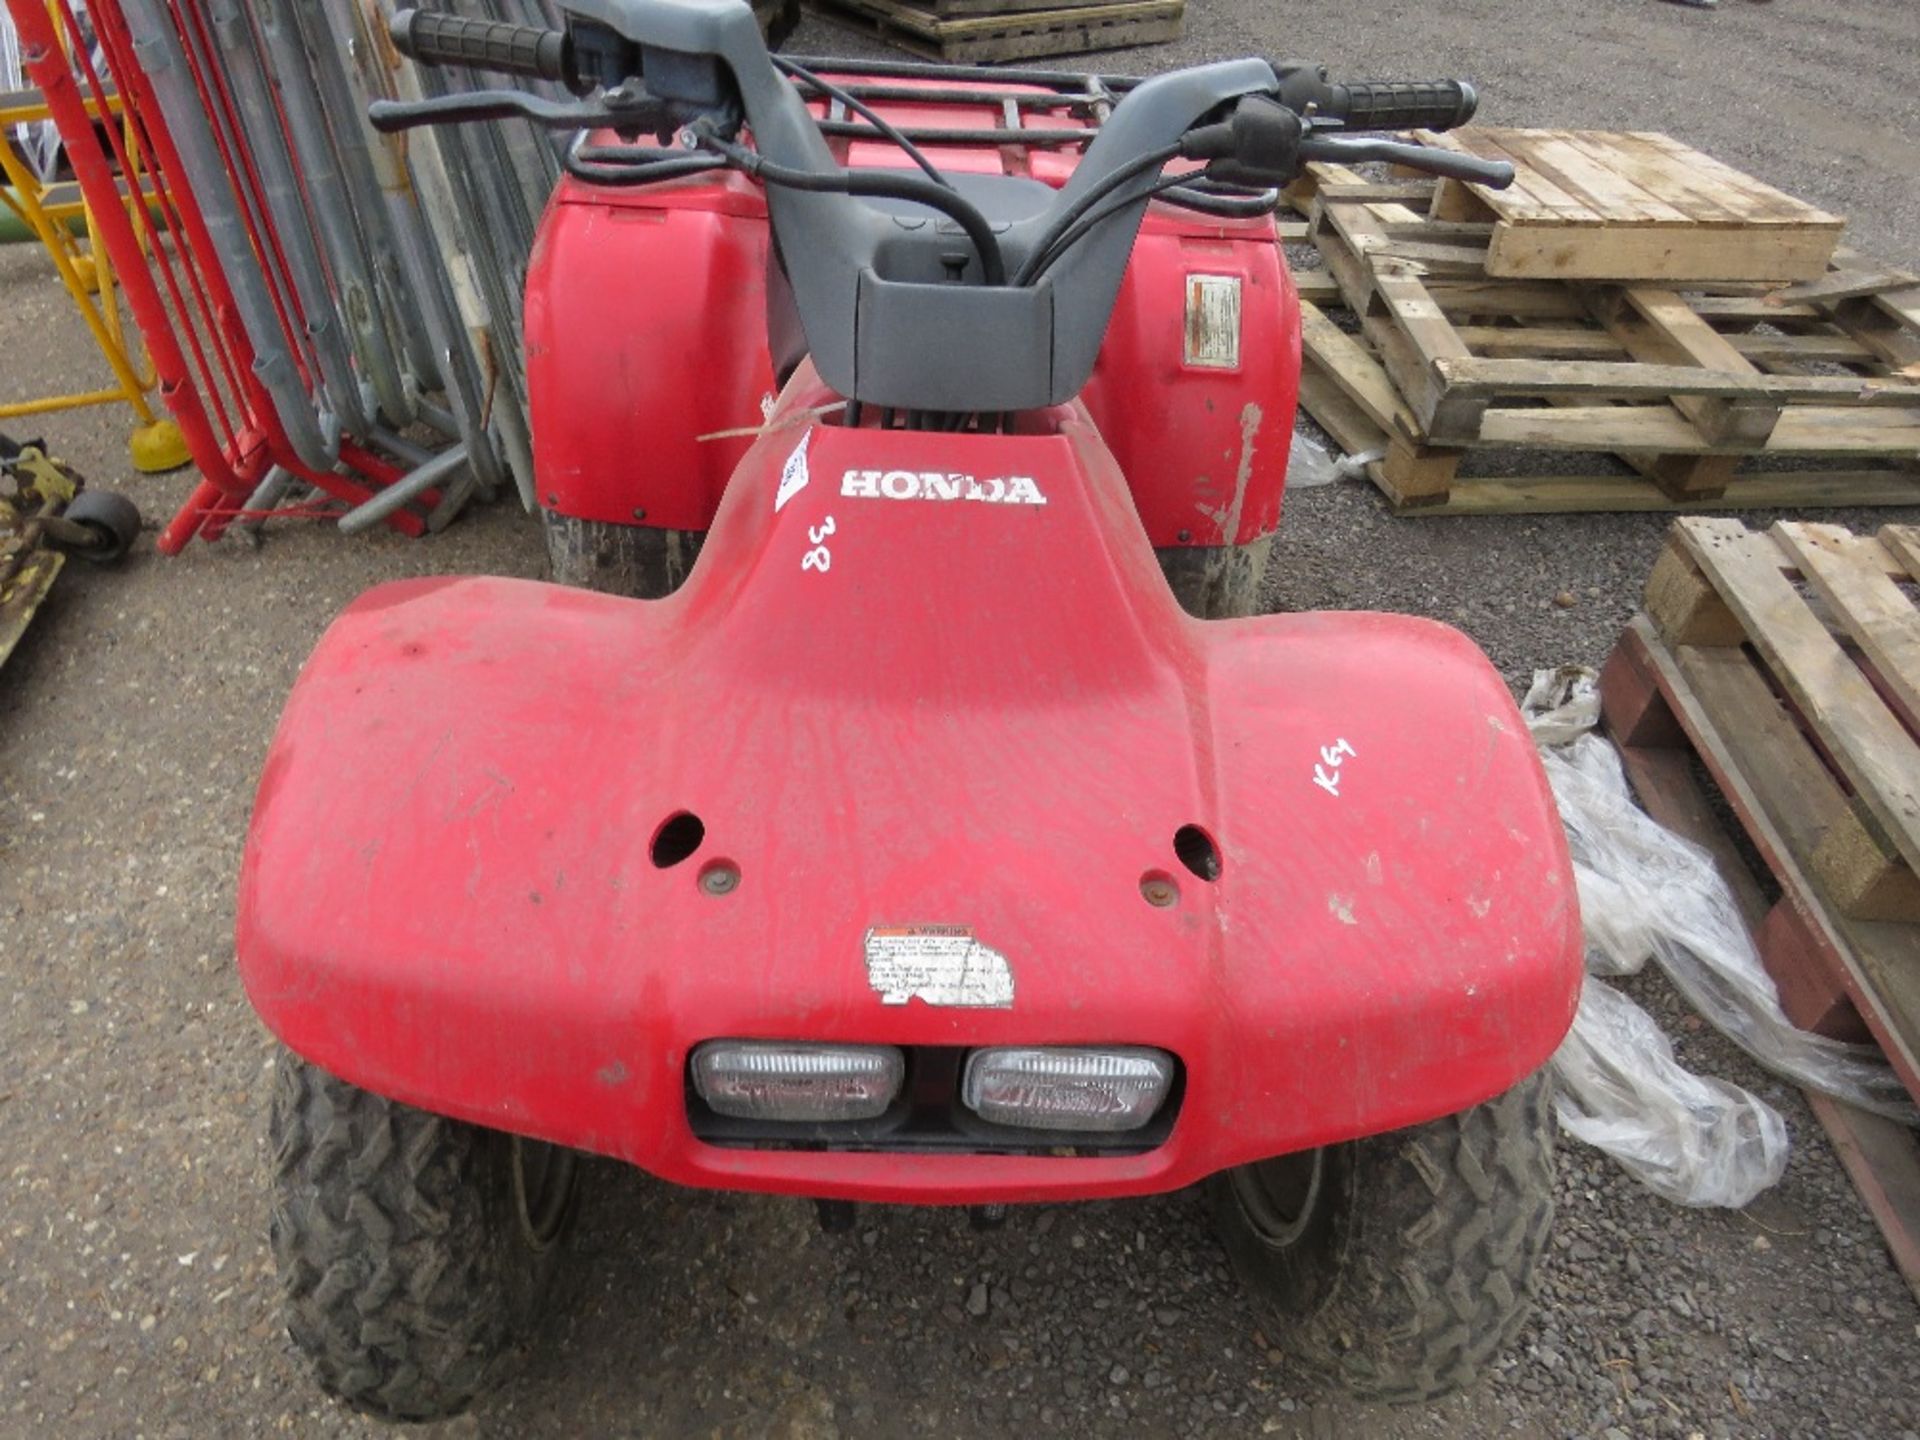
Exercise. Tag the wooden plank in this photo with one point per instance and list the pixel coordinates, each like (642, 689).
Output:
(1360, 377)
(959, 9)
(1844, 285)
(1461, 261)
(1517, 299)
(1802, 430)
(1863, 736)
(1420, 367)
(1761, 202)
(1539, 342)
(1883, 1161)
(1750, 309)
(1408, 474)
(1882, 328)
(1903, 543)
(1336, 412)
(1416, 193)
(1016, 36)
(1695, 194)
(1657, 326)
(1582, 494)
(1684, 606)
(1664, 253)
(1567, 342)
(1881, 620)
(1486, 376)
(1612, 198)
(1864, 875)
(1532, 199)
(1316, 287)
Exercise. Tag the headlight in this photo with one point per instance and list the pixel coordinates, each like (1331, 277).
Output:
(768, 1080)
(1060, 1088)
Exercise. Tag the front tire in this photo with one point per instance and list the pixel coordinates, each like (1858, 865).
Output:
(413, 1250)
(640, 562)
(1402, 1263)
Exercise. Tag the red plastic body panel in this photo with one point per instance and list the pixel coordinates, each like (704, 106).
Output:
(646, 329)
(975, 714)
(646, 339)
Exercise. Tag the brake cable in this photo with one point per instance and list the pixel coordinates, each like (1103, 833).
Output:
(866, 112)
(1070, 216)
(879, 184)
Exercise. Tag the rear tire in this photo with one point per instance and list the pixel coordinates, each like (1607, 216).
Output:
(413, 1250)
(1400, 1264)
(637, 561)
(1217, 582)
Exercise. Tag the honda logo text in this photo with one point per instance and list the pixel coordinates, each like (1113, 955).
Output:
(940, 485)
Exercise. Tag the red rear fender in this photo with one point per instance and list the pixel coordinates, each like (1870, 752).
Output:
(923, 699)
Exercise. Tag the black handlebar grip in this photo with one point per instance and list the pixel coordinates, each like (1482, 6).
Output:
(435, 39)
(1405, 105)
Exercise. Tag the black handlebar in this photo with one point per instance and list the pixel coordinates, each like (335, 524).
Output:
(437, 39)
(1404, 105)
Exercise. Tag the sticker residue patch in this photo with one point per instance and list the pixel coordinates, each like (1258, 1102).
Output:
(793, 475)
(938, 965)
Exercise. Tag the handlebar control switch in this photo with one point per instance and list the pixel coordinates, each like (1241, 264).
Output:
(1259, 145)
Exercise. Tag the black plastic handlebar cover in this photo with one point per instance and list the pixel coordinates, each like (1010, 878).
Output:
(1402, 105)
(433, 39)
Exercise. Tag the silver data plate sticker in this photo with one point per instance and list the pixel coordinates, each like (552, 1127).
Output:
(1213, 322)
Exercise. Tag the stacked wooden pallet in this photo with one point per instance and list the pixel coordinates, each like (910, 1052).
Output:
(1786, 663)
(968, 31)
(1626, 298)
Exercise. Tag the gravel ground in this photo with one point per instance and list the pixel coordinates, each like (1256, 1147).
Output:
(136, 1297)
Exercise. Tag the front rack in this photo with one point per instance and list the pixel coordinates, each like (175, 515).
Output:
(1017, 97)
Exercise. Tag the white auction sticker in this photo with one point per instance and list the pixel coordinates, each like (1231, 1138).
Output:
(938, 965)
(793, 475)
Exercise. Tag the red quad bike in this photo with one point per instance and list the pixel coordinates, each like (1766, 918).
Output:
(913, 844)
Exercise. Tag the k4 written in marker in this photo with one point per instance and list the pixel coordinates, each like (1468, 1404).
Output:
(1326, 774)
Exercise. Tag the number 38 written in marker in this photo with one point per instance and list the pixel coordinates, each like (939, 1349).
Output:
(1327, 773)
(819, 558)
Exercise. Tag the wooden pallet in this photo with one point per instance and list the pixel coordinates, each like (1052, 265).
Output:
(1677, 385)
(966, 37)
(1599, 205)
(1787, 665)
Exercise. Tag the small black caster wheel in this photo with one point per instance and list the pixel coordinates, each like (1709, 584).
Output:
(111, 520)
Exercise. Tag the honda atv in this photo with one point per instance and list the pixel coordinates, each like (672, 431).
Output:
(909, 841)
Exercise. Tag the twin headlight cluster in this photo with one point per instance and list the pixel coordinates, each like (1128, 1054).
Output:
(1044, 1087)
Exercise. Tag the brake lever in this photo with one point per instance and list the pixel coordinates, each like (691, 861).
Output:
(1428, 159)
(626, 108)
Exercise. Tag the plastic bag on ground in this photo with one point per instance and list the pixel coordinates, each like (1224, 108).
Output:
(1645, 892)
(1310, 465)
(1688, 1138)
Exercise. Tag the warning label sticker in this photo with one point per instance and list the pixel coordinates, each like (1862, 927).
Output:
(937, 965)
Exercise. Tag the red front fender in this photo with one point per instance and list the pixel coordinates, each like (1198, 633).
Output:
(973, 712)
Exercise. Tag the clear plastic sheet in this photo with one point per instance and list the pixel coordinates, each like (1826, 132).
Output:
(1647, 893)
(1687, 1137)
(1309, 464)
